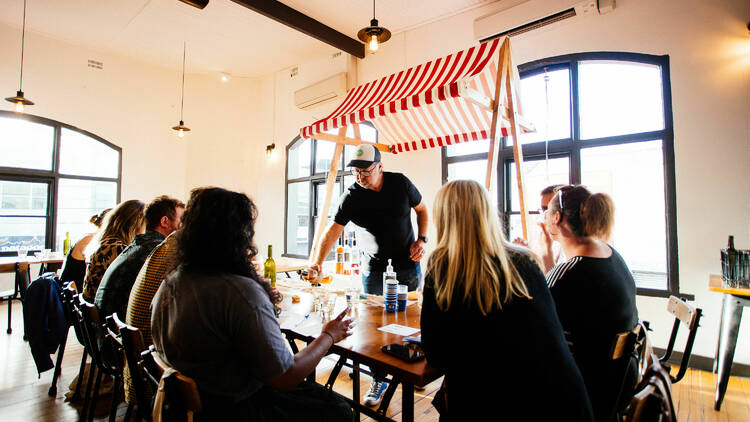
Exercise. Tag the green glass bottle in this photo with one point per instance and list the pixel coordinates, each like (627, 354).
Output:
(66, 244)
(269, 268)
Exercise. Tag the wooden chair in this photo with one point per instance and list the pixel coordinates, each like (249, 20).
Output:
(67, 299)
(690, 316)
(133, 346)
(104, 358)
(178, 391)
(625, 347)
(652, 401)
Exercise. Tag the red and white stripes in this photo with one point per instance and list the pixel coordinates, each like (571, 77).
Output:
(422, 107)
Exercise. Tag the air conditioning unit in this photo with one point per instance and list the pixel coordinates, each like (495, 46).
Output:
(321, 92)
(521, 16)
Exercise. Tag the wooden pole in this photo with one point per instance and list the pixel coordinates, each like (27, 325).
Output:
(341, 139)
(499, 84)
(513, 107)
(330, 182)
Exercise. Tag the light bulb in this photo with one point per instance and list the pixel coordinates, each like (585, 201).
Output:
(19, 107)
(374, 43)
(180, 133)
(224, 77)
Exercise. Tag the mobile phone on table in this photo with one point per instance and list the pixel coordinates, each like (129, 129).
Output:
(409, 353)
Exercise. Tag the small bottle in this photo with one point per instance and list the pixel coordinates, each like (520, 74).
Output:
(389, 274)
(66, 244)
(355, 257)
(347, 256)
(339, 258)
(269, 267)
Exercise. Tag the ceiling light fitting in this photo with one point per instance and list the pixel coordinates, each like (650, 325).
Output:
(181, 128)
(200, 4)
(19, 100)
(373, 35)
(270, 149)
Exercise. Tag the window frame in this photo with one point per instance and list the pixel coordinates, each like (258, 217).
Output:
(53, 176)
(313, 179)
(573, 145)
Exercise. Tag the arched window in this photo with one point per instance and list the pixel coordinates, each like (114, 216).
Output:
(603, 120)
(307, 164)
(53, 178)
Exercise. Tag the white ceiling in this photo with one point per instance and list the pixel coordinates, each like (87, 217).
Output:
(223, 37)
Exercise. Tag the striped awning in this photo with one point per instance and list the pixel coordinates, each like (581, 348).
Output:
(430, 105)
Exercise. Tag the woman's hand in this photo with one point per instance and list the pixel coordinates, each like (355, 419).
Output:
(338, 328)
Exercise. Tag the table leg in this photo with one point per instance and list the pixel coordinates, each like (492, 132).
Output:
(355, 388)
(730, 329)
(717, 355)
(407, 402)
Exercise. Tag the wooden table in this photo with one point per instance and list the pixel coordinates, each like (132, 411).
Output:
(362, 347)
(735, 299)
(20, 265)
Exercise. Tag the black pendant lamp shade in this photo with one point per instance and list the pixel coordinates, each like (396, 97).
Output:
(374, 34)
(19, 100)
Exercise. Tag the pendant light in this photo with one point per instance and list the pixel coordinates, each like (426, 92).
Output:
(181, 128)
(374, 34)
(19, 100)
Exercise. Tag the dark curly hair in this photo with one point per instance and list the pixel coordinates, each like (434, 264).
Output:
(217, 233)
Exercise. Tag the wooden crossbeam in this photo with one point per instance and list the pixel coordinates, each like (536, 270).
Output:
(330, 181)
(294, 19)
(344, 140)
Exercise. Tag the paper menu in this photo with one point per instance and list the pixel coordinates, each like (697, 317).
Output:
(400, 330)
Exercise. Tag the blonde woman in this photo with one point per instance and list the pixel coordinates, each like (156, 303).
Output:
(489, 322)
(119, 228)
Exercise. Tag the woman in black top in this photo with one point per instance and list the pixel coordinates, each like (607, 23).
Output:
(594, 293)
(488, 321)
(75, 263)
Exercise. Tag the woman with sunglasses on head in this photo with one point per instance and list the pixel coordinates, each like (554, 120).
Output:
(489, 322)
(594, 293)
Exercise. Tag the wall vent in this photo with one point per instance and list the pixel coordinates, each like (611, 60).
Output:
(95, 64)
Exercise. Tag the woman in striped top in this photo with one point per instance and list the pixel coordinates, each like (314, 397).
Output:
(594, 293)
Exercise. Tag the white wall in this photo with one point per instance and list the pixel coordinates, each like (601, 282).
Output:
(709, 50)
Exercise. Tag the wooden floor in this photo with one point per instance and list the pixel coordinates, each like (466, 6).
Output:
(23, 396)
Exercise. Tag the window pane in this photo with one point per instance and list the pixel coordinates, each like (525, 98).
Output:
(22, 232)
(298, 221)
(538, 175)
(298, 162)
(323, 154)
(23, 198)
(25, 144)
(618, 98)
(466, 148)
(321, 196)
(368, 133)
(85, 156)
(77, 201)
(633, 174)
(545, 100)
(473, 170)
(516, 228)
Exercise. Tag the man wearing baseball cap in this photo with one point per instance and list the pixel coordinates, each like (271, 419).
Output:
(380, 205)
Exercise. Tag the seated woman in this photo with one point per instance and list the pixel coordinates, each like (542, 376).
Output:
(594, 293)
(75, 263)
(120, 227)
(214, 321)
(489, 322)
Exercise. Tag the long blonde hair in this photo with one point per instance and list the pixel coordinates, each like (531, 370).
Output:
(123, 222)
(469, 246)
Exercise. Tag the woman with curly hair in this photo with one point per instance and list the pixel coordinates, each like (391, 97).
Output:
(119, 228)
(214, 320)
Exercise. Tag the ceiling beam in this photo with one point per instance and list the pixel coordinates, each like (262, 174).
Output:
(296, 20)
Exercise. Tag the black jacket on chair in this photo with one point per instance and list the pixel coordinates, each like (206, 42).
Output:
(43, 319)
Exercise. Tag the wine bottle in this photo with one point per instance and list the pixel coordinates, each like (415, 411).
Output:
(731, 260)
(269, 267)
(66, 244)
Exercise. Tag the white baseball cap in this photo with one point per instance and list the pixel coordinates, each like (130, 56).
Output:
(364, 156)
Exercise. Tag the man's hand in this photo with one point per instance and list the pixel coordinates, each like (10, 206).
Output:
(416, 251)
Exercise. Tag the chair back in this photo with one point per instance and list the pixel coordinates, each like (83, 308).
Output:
(626, 349)
(133, 346)
(102, 352)
(176, 394)
(688, 315)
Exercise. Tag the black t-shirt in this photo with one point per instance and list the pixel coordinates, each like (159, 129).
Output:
(595, 300)
(383, 220)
